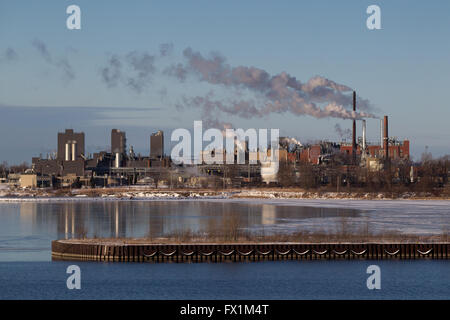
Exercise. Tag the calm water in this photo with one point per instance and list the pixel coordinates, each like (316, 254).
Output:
(265, 280)
(27, 272)
(27, 228)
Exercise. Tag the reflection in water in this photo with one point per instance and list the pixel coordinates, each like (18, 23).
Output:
(268, 214)
(27, 228)
(119, 219)
(75, 219)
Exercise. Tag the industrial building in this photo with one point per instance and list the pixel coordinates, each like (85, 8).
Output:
(71, 167)
(118, 142)
(119, 166)
(389, 148)
(118, 147)
(70, 145)
(157, 145)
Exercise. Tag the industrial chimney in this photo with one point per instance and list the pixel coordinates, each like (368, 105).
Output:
(381, 134)
(364, 142)
(354, 129)
(117, 160)
(385, 138)
(67, 155)
(74, 148)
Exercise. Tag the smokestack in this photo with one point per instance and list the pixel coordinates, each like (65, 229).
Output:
(386, 138)
(364, 137)
(354, 129)
(74, 148)
(67, 156)
(381, 133)
(117, 162)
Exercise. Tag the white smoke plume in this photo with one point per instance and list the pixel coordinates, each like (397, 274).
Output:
(281, 93)
(290, 141)
(249, 91)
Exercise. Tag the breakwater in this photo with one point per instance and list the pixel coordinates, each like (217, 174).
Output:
(221, 252)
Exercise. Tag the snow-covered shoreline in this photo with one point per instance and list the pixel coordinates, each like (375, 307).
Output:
(252, 194)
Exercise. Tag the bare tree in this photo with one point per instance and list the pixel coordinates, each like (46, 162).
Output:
(20, 168)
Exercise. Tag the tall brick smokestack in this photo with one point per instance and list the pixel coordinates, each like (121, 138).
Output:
(386, 138)
(354, 130)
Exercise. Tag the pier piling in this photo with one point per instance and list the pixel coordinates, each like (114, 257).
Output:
(239, 252)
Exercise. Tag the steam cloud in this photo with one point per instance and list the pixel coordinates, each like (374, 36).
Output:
(166, 49)
(343, 133)
(143, 66)
(112, 73)
(291, 144)
(251, 92)
(134, 69)
(60, 63)
(269, 94)
(9, 55)
(281, 93)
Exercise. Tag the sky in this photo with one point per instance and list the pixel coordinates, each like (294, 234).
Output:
(120, 69)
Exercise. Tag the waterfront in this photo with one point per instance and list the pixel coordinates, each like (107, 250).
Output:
(27, 228)
(27, 272)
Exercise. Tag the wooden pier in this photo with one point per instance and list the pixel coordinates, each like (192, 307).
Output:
(234, 252)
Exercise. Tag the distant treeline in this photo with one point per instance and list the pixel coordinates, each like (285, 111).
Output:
(6, 169)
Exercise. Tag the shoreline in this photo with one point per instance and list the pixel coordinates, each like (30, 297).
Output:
(145, 194)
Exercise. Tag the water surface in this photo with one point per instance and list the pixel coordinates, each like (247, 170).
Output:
(27, 229)
(419, 279)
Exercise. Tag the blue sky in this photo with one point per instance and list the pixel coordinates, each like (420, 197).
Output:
(403, 69)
